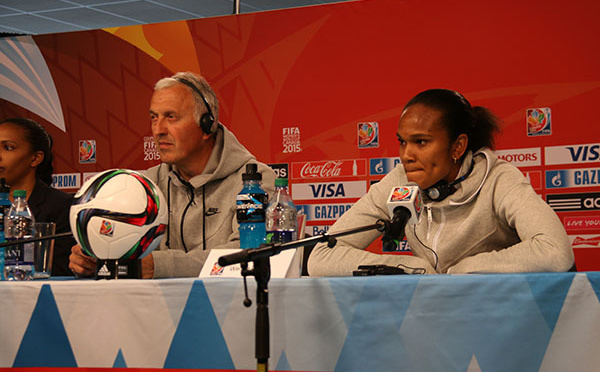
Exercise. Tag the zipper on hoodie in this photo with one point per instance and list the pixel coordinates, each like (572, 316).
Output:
(436, 237)
(429, 220)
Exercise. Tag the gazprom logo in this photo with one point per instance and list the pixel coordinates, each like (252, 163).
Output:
(378, 166)
(572, 178)
(324, 212)
(556, 179)
(66, 181)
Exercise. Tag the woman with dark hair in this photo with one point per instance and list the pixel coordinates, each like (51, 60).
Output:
(26, 164)
(480, 213)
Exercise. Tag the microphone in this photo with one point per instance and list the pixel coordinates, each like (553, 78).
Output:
(404, 206)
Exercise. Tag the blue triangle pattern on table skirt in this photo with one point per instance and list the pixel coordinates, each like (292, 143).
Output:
(45, 343)
(198, 340)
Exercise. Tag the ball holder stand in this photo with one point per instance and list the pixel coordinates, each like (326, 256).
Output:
(262, 273)
(118, 269)
(107, 269)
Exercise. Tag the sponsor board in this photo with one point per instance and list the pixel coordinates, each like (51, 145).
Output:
(281, 169)
(535, 179)
(582, 223)
(380, 166)
(529, 157)
(539, 122)
(291, 140)
(368, 135)
(585, 241)
(87, 151)
(324, 212)
(329, 168)
(66, 180)
(329, 190)
(574, 202)
(572, 178)
(570, 154)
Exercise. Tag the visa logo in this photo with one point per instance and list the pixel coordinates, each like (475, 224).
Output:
(329, 190)
(584, 153)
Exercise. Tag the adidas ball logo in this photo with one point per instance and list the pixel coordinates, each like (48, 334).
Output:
(104, 271)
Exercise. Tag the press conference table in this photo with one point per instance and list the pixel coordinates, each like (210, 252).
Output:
(509, 322)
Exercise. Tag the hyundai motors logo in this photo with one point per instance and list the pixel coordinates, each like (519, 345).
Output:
(521, 157)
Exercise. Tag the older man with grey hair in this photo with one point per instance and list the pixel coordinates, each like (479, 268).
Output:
(200, 175)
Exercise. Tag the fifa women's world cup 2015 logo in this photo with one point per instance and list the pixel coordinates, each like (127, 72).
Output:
(150, 150)
(368, 135)
(539, 122)
(87, 151)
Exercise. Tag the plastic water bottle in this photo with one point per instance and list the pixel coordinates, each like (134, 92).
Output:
(19, 224)
(282, 225)
(250, 209)
(4, 209)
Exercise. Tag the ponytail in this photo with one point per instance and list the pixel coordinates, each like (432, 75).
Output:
(484, 129)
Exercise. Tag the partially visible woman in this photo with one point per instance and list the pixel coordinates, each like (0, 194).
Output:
(26, 164)
(480, 214)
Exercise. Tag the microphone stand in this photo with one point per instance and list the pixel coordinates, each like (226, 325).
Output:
(32, 240)
(262, 273)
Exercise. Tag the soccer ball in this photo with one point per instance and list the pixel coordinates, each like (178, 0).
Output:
(118, 214)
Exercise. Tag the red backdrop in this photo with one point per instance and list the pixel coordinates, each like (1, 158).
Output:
(295, 84)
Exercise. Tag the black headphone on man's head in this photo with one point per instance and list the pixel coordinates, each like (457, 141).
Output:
(444, 189)
(208, 119)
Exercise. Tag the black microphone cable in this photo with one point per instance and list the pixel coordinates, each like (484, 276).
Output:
(437, 259)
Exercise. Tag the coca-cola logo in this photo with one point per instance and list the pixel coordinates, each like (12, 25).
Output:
(327, 169)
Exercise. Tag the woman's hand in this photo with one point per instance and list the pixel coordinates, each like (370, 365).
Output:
(81, 264)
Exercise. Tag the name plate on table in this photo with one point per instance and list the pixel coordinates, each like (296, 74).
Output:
(287, 264)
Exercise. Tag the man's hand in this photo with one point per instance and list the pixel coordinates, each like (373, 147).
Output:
(148, 267)
(80, 263)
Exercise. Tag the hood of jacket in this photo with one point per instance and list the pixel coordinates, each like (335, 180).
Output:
(482, 160)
